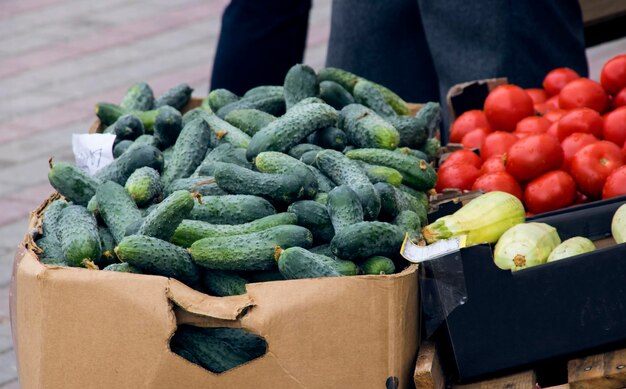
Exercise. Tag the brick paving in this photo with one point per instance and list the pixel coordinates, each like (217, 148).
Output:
(59, 57)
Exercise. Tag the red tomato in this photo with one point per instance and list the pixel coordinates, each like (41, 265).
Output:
(613, 75)
(458, 176)
(615, 126)
(463, 157)
(494, 164)
(553, 130)
(532, 125)
(541, 108)
(615, 184)
(550, 191)
(557, 79)
(499, 181)
(620, 99)
(468, 121)
(555, 115)
(572, 144)
(580, 120)
(497, 143)
(581, 198)
(538, 95)
(506, 105)
(583, 92)
(474, 139)
(534, 155)
(592, 164)
(553, 103)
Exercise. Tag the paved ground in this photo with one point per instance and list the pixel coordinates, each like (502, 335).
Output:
(59, 57)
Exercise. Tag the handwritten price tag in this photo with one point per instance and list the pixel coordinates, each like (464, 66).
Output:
(92, 151)
(416, 254)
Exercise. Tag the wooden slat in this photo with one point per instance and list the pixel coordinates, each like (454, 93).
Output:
(602, 371)
(524, 380)
(428, 373)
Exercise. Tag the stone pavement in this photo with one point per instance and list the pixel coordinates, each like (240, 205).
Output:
(59, 57)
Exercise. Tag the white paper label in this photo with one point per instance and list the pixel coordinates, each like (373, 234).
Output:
(416, 254)
(92, 151)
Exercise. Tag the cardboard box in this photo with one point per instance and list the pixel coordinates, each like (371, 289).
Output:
(546, 313)
(79, 328)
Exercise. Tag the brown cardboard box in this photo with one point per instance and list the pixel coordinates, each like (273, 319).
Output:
(79, 328)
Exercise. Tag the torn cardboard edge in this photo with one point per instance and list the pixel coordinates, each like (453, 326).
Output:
(470, 95)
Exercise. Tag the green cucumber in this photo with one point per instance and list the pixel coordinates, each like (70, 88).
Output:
(416, 173)
(335, 95)
(279, 163)
(78, 235)
(231, 209)
(72, 182)
(163, 221)
(431, 148)
(144, 139)
(52, 252)
(343, 171)
(117, 208)
(329, 138)
(134, 158)
(365, 129)
(190, 231)
(176, 97)
(224, 283)
(249, 121)
(296, 263)
(415, 153)
(396, 102)
(342, 77)
(344, 207)
(218, 98)
(321, 198)
(323, 249)
(222, 153)
(377, 173)
(133, 228)
(309, 100)
(410, 223)
(107, 243)
(313, 216)
(189, 150)
(139, 97)
(121, 147)
(155, 256)
(309, 157)
(412, 132)
(265, 91)
(366, 93)
(197, 113)
(282, 188)
(255, 251)
(92, 206)
(421, 196)
(49, 223)
(223, 132)
(289, 129)
(126, 127)
(298, 150)
(300, 83)
(144, 185)
(395, 201)
(378, 265)
(108, 113)
(272, 104)
(429, 117)
(167, 126)
(206, 186)
(123, 267)
(367, 239)
(324, 184)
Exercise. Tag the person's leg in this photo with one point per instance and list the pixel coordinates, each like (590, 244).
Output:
(384, 42)
(259, 41)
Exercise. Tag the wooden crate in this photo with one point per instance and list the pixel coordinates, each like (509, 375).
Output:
(601, 371)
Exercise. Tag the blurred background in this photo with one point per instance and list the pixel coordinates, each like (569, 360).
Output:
(60, 57)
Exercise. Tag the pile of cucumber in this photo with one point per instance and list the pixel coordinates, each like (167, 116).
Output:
(319, 177)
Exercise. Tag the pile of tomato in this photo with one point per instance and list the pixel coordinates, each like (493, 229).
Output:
(551, 147)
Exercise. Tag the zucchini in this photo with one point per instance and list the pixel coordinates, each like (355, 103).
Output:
(378, 173)
(282, 188)
(291, 128)
(300, 83)
(367, 94)
(344, 207)
(416, 173)
(167, 126)
(365, 129)
(231, 209)
(313, 216)
(176, 97)
(139, 97)
(190, 231)
(329, 138)
(155, 256)
(144, 185)
(279, 163)
(255, 251)
(335, 95)
(296, 263)
(224, 283)
(117, 208)
(78, 235)
(134, 158)
(367, 239)
(206, 186)
(378, 265)
(163, 221)
(249, 121)
(189, 150)
(412, 132)
(73, 183)
(343, 171)
(218, 98)
(298, 150)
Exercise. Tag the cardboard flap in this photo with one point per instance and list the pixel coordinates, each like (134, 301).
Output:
(470, 95)
(192, 301)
